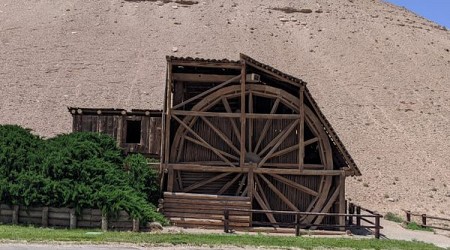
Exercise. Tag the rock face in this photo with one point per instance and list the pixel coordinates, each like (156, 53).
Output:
(380, 73)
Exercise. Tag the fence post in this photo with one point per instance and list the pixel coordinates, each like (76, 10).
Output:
(136, 225)
(424, 220)
(408, 216)
(358, 218)
(72, 219)
(226, 217)
(377, 226)
(351, 210)
(44, 221)
(104, 222)
(297, 225)
(15, 215)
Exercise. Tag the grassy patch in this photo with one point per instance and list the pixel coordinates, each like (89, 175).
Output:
(79, 235)
(414, 226)
(393, 217)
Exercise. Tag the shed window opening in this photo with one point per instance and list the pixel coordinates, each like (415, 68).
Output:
(133, 132)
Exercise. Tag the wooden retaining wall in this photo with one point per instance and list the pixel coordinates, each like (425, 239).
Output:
(205, 211)
(66, 218)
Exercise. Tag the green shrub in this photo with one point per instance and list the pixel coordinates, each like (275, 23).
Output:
(414, 226)
(142, 177)
(393, 217)
(78, 170)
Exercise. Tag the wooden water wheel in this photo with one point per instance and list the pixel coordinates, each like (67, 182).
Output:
(254, 139)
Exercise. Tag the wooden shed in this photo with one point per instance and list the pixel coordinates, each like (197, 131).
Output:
(243, 135)
(136, 131)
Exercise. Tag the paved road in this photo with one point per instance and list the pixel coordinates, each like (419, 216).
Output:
(393, 230)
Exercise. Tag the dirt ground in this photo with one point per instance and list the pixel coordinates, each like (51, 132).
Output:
(380, 74)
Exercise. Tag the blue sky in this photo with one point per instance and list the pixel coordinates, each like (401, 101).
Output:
(434, 10)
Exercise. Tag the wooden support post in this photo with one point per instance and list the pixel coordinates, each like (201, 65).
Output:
(251, 187)
(15, 215)
(377, 226)
(408, 216)
(104, 222)
(351, 210)
(44, 221)
(342, 201)
(297, 225)
(226, 222)
(242, 118)
(170, 179)
(136, 224)
(358, 218)
(166, 123)
(72, 219)
(301, 137)
(424, 220)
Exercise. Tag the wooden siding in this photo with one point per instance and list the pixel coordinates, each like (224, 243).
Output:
(115, 124)
(206, 211)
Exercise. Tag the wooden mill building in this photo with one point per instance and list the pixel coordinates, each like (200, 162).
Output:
(243, 135)
(234, 135)
(136, 131)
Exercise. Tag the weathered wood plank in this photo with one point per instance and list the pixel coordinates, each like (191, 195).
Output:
(204, 196)
(203, 78)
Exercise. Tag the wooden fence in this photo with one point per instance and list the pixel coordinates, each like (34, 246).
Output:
(425, 219)
(354, 212)
(67, 218)
(364, 214)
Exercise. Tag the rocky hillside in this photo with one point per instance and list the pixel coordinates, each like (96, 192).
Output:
(380, 73)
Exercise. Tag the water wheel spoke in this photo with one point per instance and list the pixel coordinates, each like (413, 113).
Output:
(328, 205)
(266, 125)
(285, 151)
(311, 141)
(241, 185)
(204, 182)
(229, 184)
(244, 193)
(279, 194)
(221, 135)
(280, 140)
(232, 121)
(276, 139)
(294, 184)
(263, 201)
(218, 152)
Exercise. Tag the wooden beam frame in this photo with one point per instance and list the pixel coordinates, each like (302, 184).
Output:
(202, 78)
(245, 169)
(209, 91)
(301, 134)
(242, 116)
(342, 198)
(236, 115)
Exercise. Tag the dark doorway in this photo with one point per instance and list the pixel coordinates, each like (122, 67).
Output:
(133, 131)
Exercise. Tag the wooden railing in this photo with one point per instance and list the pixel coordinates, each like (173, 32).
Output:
(297, 224)
(425, 220)
(356, 211)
